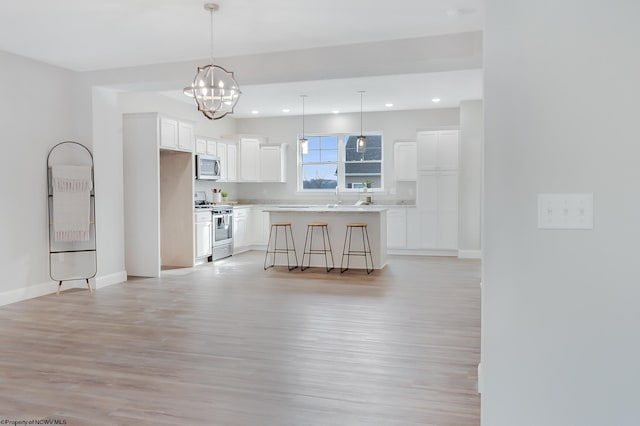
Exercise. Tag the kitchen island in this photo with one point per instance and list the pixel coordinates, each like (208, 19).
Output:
(337, 218)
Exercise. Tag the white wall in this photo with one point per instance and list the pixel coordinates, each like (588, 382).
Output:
(35, 114)
(393, 124)
(108, 171)
(470, 178)
(561, 323)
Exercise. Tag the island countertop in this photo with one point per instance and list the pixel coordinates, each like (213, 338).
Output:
(324, 209)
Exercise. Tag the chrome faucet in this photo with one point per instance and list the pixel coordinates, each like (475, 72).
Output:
(338, 201)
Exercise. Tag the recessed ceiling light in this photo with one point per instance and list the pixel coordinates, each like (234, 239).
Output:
(336, 111)
(286, 110)
(255, 111)
(435, 100)
(388, 105)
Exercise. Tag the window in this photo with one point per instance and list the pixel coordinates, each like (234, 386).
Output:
(333, 161)
(363, 168)
(319, 167)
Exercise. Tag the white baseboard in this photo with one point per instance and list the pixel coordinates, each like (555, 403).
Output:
(42, 289)
(111, 279)
(422, 252)
(19, 294)
(470, 254)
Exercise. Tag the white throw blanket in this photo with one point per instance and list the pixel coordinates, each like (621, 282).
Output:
(71, 208)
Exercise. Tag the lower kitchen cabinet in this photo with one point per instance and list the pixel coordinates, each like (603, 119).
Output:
(397, 228)
(203, 241)
(240, 228)
(259, 227)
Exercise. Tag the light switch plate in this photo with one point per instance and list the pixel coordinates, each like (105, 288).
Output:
(565, 211)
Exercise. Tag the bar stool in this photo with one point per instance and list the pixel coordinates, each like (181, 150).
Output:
(309, 250)
(288, 234)
(366, 247)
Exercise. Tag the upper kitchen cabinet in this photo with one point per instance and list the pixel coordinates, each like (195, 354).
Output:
(273, 163)
(249, 159)
(206, 146)
(438, 150)
(227, 152)
(176, 134)
(232, 162)
(404, 160)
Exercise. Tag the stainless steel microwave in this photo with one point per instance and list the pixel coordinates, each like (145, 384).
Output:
(208, 167)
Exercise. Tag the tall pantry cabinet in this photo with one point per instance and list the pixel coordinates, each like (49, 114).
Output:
(436, 191)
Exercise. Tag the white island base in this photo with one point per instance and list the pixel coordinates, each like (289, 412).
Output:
(337, 219)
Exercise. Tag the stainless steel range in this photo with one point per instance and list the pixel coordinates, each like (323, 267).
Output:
(222, 229)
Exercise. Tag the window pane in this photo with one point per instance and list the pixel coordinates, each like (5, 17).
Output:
(360, 168)
(319, 176)
(314, 142)
(312, 156)
(330, 155)
(329, 142)
(373, 150)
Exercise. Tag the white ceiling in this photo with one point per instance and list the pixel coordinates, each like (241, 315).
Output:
(405, 92)
(85, 35)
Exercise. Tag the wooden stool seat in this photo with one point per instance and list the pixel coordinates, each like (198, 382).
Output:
(308, 250)
(348, 251)
(273, 249)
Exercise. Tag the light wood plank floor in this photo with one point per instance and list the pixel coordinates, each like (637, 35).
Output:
(231, 344)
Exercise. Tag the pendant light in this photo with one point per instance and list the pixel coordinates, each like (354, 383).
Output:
(361, 142)
(304, 142)
(214, 89)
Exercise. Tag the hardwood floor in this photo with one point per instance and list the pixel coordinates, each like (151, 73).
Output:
(231, 344)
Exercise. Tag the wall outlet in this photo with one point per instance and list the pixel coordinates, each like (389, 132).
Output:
(565, 211)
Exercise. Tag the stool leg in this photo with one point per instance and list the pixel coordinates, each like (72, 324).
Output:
(346, 251)
(325, 229)
(366, 231)
(304, 250)
(287, 246)
(266, 255)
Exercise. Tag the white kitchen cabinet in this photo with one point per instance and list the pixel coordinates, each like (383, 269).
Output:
(176, 135)
(232, 162)
(397, 228)
(205, 146)
(437, 150)
(436, 217)
(405, 160)
(201, 145)
(273, 163)
(212, 147)
(240, 228)
(259, 226)
(249, 159)
(186, 140)
(221, 149)
(203, 238)
(168, 133)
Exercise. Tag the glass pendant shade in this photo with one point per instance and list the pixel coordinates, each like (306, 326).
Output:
(361, 144)
(304, 145)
